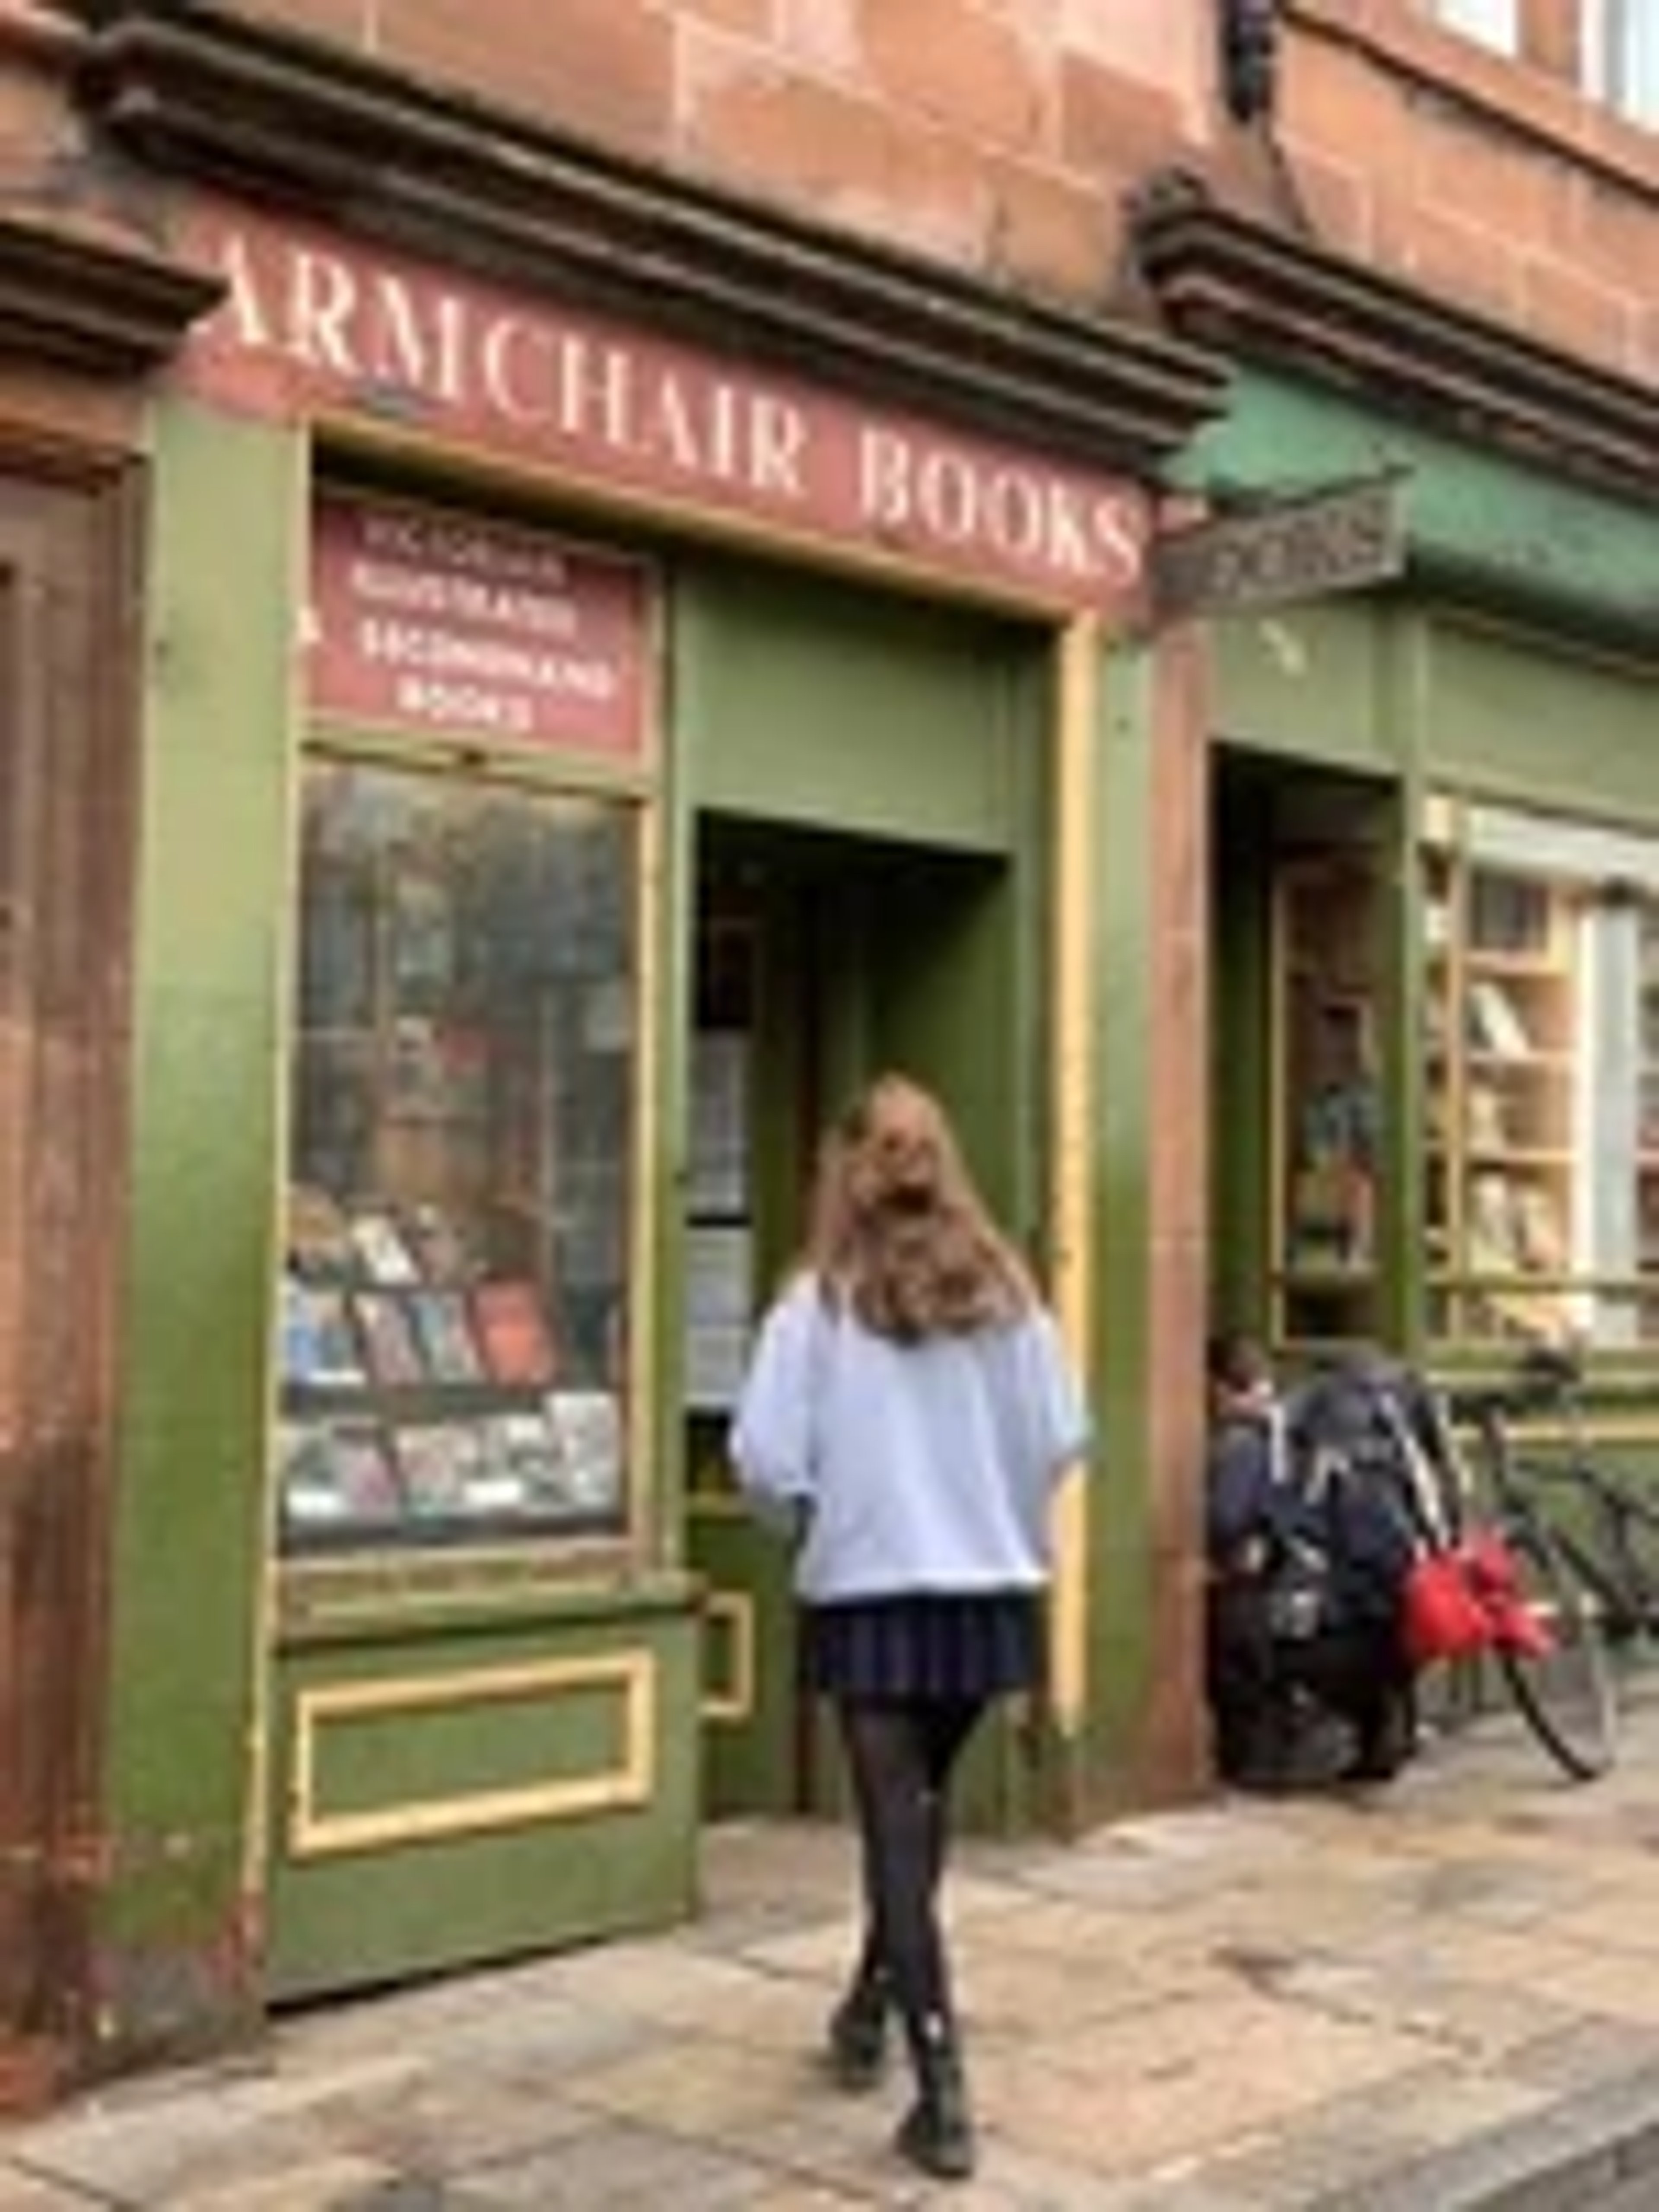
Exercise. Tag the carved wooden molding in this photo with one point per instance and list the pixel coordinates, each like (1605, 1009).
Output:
(280, 116)
(76, 302)
(1233, 282)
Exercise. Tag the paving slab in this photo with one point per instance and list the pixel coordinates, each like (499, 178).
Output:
(1439, 1998)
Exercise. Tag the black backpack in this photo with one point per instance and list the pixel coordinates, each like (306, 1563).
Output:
(1362, 1457)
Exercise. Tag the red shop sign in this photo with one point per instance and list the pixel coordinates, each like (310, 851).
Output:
(426, 620)
(316, 324)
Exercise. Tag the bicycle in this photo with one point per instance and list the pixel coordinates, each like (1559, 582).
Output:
(1606, 1523)
(1559, 1678)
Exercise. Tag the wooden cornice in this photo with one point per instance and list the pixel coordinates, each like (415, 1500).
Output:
(285, 117)
(103, 309)
(1233, 282)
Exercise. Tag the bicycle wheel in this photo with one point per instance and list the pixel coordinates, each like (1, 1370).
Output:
(1639, 1539)
(1564, 1691)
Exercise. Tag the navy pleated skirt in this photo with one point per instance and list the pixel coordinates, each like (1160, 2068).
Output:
(966, 1647)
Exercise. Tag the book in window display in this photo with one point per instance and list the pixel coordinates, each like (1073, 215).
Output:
(586, 1425)
(385, 1322)
(337, 1475)
(522, 1450)
(449, 1347)
(443, 1256)
(440, 1463)
(384, 1256)
(496, 1485)
(513, 1333)
(321, 1348)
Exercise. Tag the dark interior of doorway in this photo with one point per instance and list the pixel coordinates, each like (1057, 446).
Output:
(835, 958)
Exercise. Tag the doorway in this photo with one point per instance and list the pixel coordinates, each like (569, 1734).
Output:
(821, 960)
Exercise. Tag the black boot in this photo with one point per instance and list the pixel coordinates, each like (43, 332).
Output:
(937, 2133)
(858, 2030)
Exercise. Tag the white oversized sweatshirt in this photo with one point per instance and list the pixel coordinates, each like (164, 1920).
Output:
(927, 1467)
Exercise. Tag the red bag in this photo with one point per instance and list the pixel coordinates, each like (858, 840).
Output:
(1514, 1624)
(1467, 1599)
(1442, 1613)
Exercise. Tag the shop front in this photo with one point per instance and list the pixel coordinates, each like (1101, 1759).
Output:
(1435, 827)
(588, 733)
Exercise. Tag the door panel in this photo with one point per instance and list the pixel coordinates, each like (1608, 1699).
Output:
(65, 834)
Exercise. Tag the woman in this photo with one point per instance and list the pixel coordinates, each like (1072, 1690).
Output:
(908, 1412)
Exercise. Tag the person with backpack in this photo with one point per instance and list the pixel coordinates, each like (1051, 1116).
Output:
(1309, 1536)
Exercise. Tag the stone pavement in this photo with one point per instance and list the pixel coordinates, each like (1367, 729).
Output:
(1438, 1996)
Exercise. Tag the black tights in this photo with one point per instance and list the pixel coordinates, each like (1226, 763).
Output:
(900, 1753)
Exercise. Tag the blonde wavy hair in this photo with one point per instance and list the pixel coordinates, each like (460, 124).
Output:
(898, 1231)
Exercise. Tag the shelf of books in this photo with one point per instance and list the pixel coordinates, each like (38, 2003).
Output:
(454, 1299)
(1505, 1157)
(1326, 1114)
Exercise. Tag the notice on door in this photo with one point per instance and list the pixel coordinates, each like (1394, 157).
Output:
(451, 624)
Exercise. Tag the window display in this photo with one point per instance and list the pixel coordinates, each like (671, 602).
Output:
(455, 1325)
(1541, 1199)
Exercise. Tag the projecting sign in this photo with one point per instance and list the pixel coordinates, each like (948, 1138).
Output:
(1341, 540)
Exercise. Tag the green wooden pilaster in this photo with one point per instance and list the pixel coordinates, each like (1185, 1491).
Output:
(176, 1934)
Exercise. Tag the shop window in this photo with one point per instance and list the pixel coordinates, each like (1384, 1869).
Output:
(456, 1316)
(1541, 1054)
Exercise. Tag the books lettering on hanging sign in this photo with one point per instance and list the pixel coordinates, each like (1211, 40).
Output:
(510, 1325)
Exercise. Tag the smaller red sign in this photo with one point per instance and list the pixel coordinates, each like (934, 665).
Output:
(448, 624)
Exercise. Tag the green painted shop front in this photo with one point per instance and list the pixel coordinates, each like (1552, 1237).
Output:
(1432, 802)
(461, 1752)
(814, 805)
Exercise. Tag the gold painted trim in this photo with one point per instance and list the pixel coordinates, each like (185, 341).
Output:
(1079, 653)
(315, 1834)
(736, 1703)
(647, 1193)
(265, 1610)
